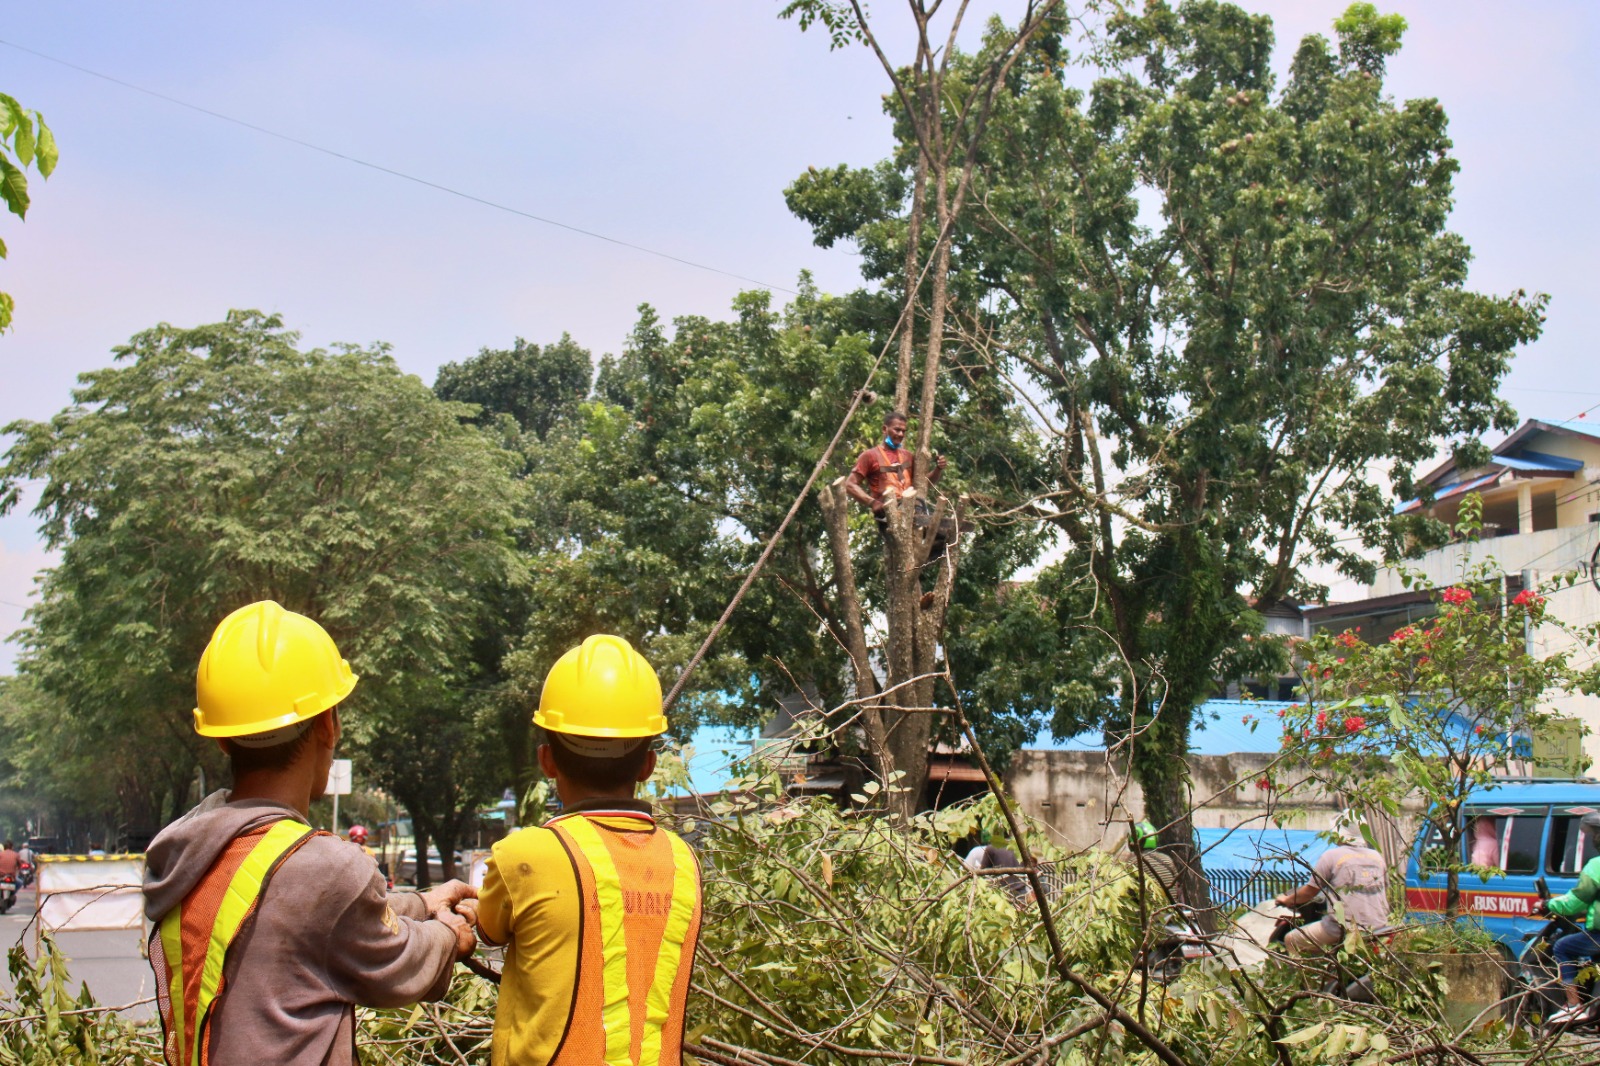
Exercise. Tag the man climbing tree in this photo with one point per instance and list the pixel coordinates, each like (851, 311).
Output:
(887, 471)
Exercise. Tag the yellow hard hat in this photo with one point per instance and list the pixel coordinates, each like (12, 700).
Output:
(264, 669)
(602, 688)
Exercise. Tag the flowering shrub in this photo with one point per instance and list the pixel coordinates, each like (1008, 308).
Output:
(1437, 709)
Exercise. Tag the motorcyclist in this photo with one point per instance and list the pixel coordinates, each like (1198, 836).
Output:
(1144, 844)
(1584, 899)
(1354, 877)
(10, 861)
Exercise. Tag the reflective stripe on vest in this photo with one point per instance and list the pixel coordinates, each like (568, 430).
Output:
(186, 1027)
(638, 945)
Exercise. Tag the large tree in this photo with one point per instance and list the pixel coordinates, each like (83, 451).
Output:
(218, 465)
(1239, 319)
(941, 103)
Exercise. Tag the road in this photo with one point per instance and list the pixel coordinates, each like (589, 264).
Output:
(111, 963)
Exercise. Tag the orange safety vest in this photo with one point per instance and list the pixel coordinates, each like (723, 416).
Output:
(897, 475)
(194, 936)
(639, 926)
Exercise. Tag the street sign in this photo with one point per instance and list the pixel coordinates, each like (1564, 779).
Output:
(338, 778)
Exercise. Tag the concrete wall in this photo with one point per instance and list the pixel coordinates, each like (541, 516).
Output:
(1083, 798)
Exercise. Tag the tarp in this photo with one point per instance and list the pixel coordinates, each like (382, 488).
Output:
(79, 892)
(1258, 848)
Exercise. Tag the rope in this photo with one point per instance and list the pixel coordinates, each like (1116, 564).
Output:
(816, 472)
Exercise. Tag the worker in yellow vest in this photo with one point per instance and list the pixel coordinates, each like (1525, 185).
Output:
(599, 909)
(266, 933)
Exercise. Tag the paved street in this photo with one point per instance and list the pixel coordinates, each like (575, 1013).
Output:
(110, 963)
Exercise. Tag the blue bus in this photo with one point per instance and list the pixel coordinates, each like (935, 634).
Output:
(1522, 831)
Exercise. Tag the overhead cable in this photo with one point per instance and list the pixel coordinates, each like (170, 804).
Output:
(402, 175)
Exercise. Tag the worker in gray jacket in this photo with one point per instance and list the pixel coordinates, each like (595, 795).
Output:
(266, 933)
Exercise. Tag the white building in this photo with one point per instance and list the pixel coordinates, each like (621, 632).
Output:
(1541, 522)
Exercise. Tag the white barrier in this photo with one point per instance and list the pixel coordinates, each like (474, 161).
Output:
(78, 892)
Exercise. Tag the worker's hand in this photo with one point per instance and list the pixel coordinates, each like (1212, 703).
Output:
(448, 895)
(877, 504)
(939, 463)
(1281, 899)
(466, 935)
(468, 909)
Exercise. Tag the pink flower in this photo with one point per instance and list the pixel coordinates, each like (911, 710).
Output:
(1264, 783)
(1456, 596)
(1354, 724)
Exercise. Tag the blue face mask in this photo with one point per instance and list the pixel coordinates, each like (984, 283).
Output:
(890, 441)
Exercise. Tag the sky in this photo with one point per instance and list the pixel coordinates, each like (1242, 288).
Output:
(670, 126)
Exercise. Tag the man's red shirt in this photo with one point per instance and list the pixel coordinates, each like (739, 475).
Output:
(882, 466)
(9, 861)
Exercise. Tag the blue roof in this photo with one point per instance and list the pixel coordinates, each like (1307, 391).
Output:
(1254, 848)
(1221, 727)
(1537, 461)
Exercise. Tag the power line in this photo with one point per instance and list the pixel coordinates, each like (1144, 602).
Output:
(380, 168)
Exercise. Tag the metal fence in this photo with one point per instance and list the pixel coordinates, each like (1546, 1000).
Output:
(1230, 889)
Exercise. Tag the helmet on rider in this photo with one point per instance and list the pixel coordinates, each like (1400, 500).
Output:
(1591, 827)
(1143, 837)
(358, 834)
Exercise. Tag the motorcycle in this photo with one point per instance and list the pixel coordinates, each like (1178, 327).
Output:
(8, 892)
(1181, 943)
(25, 873)
(1342, 983)
(1538, 974)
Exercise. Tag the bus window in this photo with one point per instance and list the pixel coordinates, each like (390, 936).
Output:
(1483, 841)
(1568, 848)
(1434, 856)
(1522, 836)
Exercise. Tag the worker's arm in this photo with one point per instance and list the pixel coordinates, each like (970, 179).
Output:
(1576, 903)
(853, 485)
(493, 911)
(939, 463)
(373, 955)
(1298, 897)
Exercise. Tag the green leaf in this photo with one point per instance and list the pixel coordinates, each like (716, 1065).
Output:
(47, 155)
(13, 188)
(1311, 1032)
(23, 141)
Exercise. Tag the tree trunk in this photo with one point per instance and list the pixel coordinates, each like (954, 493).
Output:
(1165, 781)
(445, 835)
(423, 877)
(899, 721)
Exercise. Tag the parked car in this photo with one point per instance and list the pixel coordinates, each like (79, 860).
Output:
(1521, 830)
(406, 869)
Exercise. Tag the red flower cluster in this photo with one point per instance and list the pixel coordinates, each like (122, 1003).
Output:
(1264, 783)
(1354, 724)
(1347, 639)
(1456, 596)
(1403, 633)
(1322, 721)
(1528, 598)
